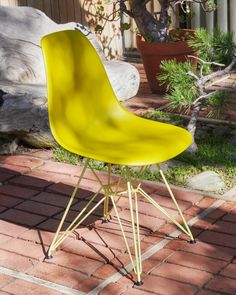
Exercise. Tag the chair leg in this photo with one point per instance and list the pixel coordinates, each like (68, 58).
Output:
(192, 241)
(137, 263)
(61, 236)
(184, 228)
(135, 231)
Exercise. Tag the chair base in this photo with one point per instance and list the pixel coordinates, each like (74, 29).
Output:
(139, 283)
(111, 191)
(193, 241)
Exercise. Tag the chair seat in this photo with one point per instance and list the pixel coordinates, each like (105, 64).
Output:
(129, 140)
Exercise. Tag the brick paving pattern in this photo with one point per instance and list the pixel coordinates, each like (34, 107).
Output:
(34, 191)
(31, 206)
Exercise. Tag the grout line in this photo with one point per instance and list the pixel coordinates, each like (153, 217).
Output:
(115, 277)
(41, 282)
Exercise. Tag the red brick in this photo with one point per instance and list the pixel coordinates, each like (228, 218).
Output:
(113, 288)
(2, 209)
(149, 187)
(113, 227)
(165, 286)
(5, 176)
(42, 154)
(144, 247)
(176, 245)
(167, 229)
(156, 259)
(230, 217)
(43, 175)
(224, 227)
(206, 202)
(65, 189)
(87, 285)
(120, 261)
(28, 288)
(21, 217)
(168, 202)
(180, 194)
(182, 274)
(23, 161)
(195, 233)
(196, 261)
(57, 274)
(153, 238)
(30, 181)
(222, 284)
(220, 239)
(16, 191)
(208, 292)
(11, 229)
(4, 280)
(15, 261)
(229, 271)
(149, 222)
(24, 248)
(132, 291)
(228, 207)
(38, 208)
(13, 169)
(100, 253)
(193, 211)
(210, 250)
(148, 209)
(61, 168)
(107, 239)
(79, 206)
(203, 223)
(51, 225)
(216, 214)
(8, 201)
(52, 199)
(86, 266)
(105, 271)
(38, 236)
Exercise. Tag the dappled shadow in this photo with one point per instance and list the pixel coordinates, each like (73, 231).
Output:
(35, 204)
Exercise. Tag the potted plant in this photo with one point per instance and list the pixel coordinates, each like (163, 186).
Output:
(154, 30)
(193, 88)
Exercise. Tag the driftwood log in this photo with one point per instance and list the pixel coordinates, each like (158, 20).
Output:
(23, 101)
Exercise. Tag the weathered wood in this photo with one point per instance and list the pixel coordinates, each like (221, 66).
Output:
(23, 102)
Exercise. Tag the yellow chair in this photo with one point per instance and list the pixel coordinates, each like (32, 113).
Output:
(86, 118)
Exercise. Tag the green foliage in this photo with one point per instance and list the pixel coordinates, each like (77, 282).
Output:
(219, 47)
(125, 26)
(218, 102)
(62, 155)
(175, 119)
(212, 151)
(181, 86)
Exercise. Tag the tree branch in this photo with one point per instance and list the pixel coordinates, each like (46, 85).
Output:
(207, 62)
(202, 97)
(219, 73)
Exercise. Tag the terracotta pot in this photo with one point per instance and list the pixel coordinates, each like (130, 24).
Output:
(153, 53)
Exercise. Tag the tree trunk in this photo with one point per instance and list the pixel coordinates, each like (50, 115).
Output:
(192, 125)
(154, 30)
(23, 113)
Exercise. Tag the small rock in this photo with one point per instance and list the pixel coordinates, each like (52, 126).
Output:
(206, 181)
(169, 165)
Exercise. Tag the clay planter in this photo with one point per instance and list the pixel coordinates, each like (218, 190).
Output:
(153, 53)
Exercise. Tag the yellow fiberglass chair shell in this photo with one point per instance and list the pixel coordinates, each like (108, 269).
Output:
(86, 118)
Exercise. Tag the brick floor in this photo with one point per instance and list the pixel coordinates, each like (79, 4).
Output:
(32, 203)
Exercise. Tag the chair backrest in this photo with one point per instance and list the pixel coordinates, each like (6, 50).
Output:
(79, 91)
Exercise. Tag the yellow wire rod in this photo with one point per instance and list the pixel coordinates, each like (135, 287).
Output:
(67, 208)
